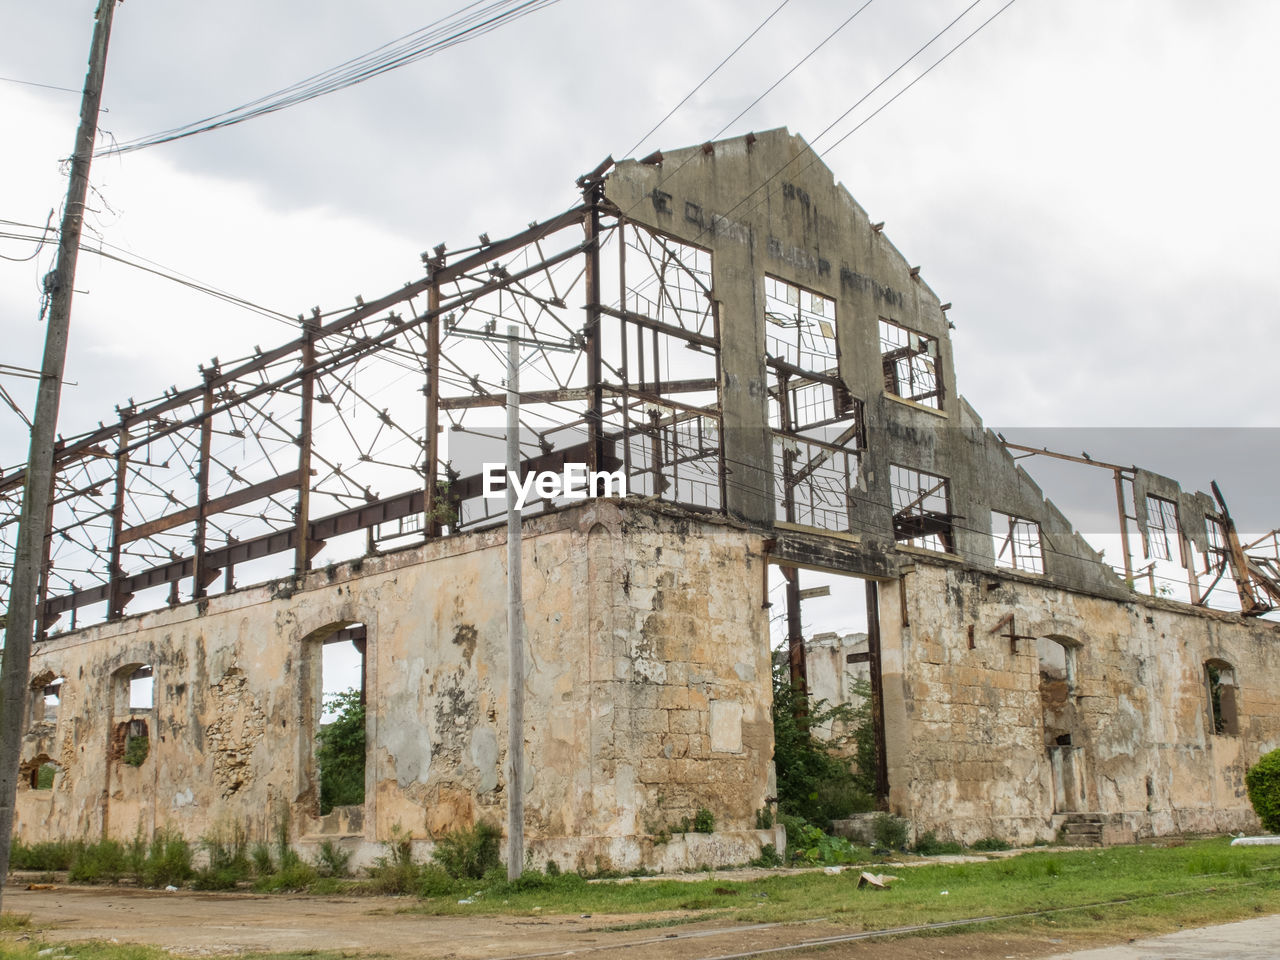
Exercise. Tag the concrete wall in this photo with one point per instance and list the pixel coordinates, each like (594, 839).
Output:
(967, 728)
(647, 698)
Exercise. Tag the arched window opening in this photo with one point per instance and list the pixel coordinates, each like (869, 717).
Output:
(133, 700)
(1220, 680)
(42, 774)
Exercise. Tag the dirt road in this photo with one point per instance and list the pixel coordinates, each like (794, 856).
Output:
(200, 924)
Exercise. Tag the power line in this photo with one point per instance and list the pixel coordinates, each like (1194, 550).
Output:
(32, 83)
(462, 25)
(703, 82)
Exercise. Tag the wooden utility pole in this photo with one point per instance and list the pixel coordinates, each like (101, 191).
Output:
(36, 495)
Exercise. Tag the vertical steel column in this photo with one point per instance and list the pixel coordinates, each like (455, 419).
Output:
(46, 564)
(877, 688)
(431, 448)
(795, 639)
(302, 522)
(515, 620)
(200, 576)
(595, 418)
(115, 598)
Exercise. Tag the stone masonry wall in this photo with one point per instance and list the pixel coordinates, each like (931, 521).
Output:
(647, 698)
(967, 727)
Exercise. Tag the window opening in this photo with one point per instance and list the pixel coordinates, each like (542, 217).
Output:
(1162, 527)
(921, 509)
(340, 743)
(42, 775)
(801, 326)
(817, 425)
(910, 362)
(141, 688)
(1017, 543)
(1220, 677)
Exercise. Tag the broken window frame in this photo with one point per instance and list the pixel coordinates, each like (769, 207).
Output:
(1022, 547)
(1222, 698)
(911, 363)
(1162, 524)
(816, 346)
(912, 492)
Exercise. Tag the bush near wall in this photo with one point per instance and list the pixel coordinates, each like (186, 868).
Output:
(1263, 783)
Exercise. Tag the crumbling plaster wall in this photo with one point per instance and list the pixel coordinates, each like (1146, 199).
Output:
(647, 697)
(967, 754)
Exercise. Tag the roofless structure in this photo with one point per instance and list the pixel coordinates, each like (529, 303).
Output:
(728, 329)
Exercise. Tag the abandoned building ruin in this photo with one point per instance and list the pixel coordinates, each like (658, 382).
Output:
(726, 326)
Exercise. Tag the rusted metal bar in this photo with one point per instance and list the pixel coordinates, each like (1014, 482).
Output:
(431, 525)
(116, 597)
(1250, 604)
(257, 491)
(795, 640)
(659, 326)
(302, 541)
(323, 529)
(81, 446)
(595, 425)
(877, 689)
(201, 575)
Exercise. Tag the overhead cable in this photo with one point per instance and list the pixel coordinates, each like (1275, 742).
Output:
(469, 22)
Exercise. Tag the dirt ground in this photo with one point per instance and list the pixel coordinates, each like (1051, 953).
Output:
(202, 924)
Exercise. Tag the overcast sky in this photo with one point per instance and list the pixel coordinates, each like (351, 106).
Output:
(1091, 183)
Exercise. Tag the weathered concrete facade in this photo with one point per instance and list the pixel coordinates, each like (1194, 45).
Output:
(650, 681)
(787, 396)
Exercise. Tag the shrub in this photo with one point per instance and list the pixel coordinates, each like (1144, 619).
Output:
(102, 862)
(468, 853)
(260, 854)
(928, 845)
(889, 831)
(228, 862)
(1263, 783)
(434, 882)
(396, 871)
(987, 844)
(50, 855)
(814, 782)
(764, 818)
(166, 861)
(333, 860)
(136, 750)
(704, 821)
(768, 857)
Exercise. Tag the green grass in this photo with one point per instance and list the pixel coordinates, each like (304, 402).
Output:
(1199, 882)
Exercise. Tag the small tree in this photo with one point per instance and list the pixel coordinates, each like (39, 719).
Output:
(1263, 783)
(340, 753)
(814, 781)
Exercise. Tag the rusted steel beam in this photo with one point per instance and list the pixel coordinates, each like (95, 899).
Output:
(659, 327)
(307, 353)
(201, 577)
(431, 526)
(1251, 605)
(877, 689)
(116, 596)
(1088, 461)
(347, 521)
(593, 191)
(230, 501)
(573, 394)
(82, 446)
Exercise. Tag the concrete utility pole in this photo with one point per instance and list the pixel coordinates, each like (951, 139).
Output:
(20, 619)
(515, 620)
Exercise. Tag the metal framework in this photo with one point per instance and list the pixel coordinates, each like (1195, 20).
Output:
(356, 434)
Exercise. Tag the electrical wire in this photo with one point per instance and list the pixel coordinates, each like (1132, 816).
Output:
(734, 52)
(47, 86)
(467, 23)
